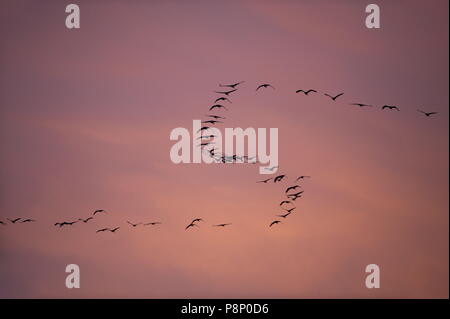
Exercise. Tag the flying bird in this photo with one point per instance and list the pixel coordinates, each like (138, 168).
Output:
(302, 177)
(360, 104)
(222, 99)
(274, 223)
(265, 85)
(290, 210)
(3, 223)
(152, 223)
(216, 117)
(14, 220)
(427, 113)
(285, 202)
(391, 107)
(197, 220)
(212, 152)
(134, 225)
(205, 137)
(205, 144)
(65, 223)
(279, 178)
(231, 85)
(296, 194)
(28, 220)
(108, 229)
(265, 181)
(203, 128)
(293, 197)
(305, 92)
(271, 168)
(211, 122)
(284, 215)
(333, 97)
(292, 188)
(85, 220)
(190, 225)
(221, 225)
(226, 92)
(99, 211)
(217, 106)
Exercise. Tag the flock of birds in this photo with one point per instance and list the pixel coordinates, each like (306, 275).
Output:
(291, 193)
(306, 92)
(80, 220)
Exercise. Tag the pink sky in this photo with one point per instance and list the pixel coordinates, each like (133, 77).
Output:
(85, 117)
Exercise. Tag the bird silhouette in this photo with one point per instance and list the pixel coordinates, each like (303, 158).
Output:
(61, 224)
(284, 215)
(274, 223)
(221, 225)
(205, 144)
(265, 85)
(197, 220)
(290, 210)
(70, 223)
(231, 85)
(85, 220)
(271, 168)
(212, 152)
(14, 220)
(203, 128)
(285, 202)
(390, 107)
(28, 220)
(226, 92)
(333, 97)
(133, 225)
(302, 177)
(107, 229)
(218, 106)
(216, 117)
(206, 137)
(293, 197)
(292, 188)
(279, 178)
(98, 211)
(152, 223)
(2, 223)
(306, 92)
(428, 114)
(265, 181)
(361, 104)
(211, 122)
(222, 98)
(190, 225)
